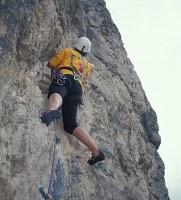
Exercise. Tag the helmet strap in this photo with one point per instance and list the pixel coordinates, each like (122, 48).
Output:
(81, 52)
(83, 48)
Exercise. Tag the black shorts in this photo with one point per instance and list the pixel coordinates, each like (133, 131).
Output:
(71, 92)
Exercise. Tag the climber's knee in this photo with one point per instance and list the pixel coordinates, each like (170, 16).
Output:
(70, 127)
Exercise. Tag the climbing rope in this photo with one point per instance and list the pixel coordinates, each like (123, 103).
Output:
(48, 195)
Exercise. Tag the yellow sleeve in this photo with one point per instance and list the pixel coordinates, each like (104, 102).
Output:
(88, 69)
(57, 59)
(91, 68)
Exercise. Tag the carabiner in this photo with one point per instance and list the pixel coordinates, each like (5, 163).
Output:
(77, 77)
(60, 81)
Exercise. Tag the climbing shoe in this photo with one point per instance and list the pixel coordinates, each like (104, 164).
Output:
(94, 159)
(49, 116)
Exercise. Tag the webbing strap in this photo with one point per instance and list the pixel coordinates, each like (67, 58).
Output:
(72, 69)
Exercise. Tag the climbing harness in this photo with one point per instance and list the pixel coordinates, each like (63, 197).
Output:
(60, 78)
(76, 74)
(48, 195)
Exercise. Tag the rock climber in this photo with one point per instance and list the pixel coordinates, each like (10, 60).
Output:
(70, 68)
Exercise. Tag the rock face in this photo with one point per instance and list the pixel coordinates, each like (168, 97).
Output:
(117, 113)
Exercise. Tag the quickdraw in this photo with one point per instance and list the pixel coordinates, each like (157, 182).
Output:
(61, 80)
(58, 77)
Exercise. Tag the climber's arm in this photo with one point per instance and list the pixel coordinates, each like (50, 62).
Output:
(88, 72)
(55, 61)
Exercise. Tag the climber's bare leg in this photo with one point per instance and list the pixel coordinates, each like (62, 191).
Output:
(54, 101)
(85, 138)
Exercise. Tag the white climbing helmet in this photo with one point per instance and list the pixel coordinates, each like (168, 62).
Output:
(83, 44)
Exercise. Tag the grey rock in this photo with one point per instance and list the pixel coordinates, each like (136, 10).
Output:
(117, 112)
(149, 121)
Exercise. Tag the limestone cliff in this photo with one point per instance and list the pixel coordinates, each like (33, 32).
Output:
(117, 113)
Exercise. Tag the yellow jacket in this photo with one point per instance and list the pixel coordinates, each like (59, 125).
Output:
(71, 58)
